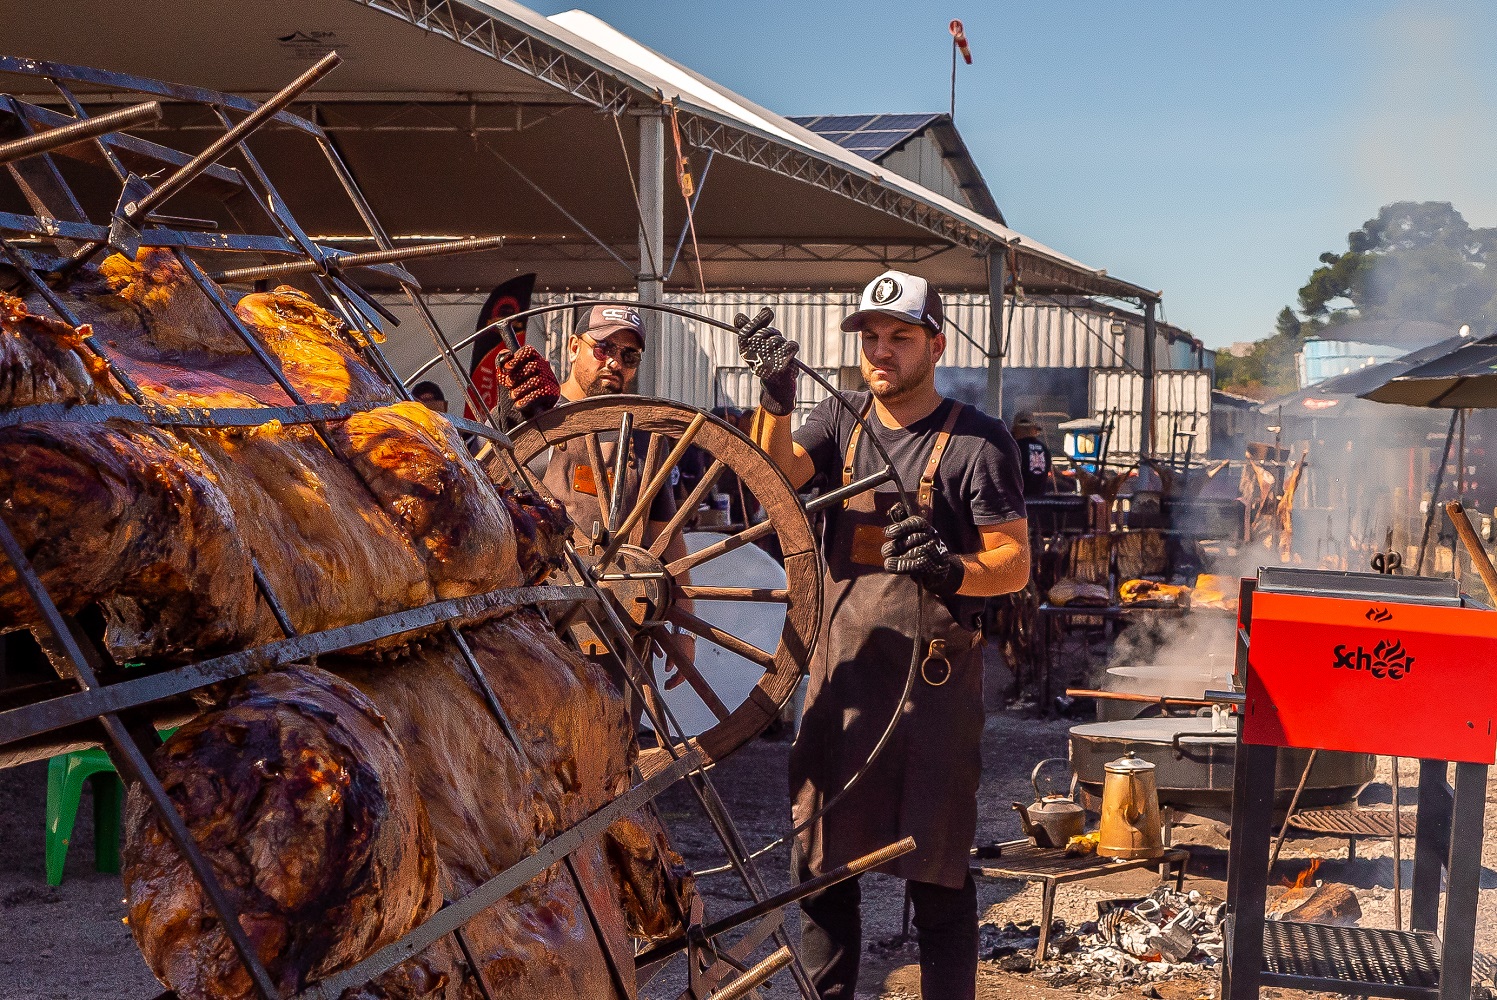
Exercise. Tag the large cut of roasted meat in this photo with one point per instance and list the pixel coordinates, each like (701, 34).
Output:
(339, 802)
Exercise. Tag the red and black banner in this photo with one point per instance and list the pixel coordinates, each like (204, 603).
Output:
(509, 298)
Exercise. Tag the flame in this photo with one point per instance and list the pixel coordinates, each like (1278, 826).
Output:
(1305, 878)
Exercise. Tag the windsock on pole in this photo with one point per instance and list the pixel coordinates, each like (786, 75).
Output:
(959, 38)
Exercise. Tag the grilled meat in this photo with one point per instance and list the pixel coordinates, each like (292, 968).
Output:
(339, 803)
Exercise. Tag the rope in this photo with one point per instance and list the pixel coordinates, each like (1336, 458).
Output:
(683, 181)
(639, 208)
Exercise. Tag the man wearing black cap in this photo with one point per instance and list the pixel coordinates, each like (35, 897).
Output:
(902, 587)
(603, 356)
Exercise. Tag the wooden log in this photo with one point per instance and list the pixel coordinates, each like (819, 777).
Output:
(1330, 903)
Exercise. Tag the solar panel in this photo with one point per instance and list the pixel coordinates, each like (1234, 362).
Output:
(870, 136)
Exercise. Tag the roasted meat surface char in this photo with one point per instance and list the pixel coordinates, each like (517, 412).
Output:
(347, 521)
(299, 796)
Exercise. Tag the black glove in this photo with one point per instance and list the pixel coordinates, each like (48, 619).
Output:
(770, 357)
(915, 550)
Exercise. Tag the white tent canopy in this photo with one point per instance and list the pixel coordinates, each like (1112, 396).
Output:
(473, 118)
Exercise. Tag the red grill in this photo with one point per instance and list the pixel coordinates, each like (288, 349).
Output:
(1371, 664)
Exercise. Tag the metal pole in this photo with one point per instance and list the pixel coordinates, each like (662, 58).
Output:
(953, 79)
(994, 399)
(1146, 432)
(651, 238)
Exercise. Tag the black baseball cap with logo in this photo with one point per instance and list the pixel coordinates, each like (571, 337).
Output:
(904, 297)
(602, 322)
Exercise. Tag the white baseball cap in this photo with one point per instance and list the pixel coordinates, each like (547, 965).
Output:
(902, 296)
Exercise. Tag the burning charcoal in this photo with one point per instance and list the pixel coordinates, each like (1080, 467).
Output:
(1135, 934)
(1173, 943)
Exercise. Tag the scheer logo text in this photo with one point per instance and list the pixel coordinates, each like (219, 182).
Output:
(1387, 659)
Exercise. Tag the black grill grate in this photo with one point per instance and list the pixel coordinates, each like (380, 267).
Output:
(1354, 822)
(1362, 955)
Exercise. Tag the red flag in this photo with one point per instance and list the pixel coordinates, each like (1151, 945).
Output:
(509, 298)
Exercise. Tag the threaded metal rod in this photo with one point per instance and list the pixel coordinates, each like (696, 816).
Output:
(371, 259)
(80, 131)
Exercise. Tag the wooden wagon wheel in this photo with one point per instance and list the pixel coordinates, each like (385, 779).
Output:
(650, 592)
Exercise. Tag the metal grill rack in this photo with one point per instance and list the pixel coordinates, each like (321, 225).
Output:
(93, 702)
(1301, 694)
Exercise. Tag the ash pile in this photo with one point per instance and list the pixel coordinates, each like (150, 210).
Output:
(1132, 940)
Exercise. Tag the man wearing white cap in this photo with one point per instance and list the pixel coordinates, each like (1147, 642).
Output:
(902, 586)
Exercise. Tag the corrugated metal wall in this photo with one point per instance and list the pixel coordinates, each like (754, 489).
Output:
(699, 365)
(921, 161)
(1182, 411)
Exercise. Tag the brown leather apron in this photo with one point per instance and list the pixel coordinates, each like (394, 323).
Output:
(924, 783)
(570, 478)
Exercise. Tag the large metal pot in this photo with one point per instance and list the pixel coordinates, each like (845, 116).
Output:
(1194, 765)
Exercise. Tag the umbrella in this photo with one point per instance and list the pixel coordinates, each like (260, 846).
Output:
(1460, 379)
(1338, 395)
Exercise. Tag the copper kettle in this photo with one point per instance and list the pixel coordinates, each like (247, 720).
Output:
(1051, 820)
(1130, 811)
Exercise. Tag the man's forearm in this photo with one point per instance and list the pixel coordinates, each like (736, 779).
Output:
(772, 433)
(1000, 570)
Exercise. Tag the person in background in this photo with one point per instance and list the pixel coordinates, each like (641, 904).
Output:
(1034, 455)
(430, 395)
(603, 355)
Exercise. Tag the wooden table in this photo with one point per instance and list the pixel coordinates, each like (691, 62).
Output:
(1052, 866)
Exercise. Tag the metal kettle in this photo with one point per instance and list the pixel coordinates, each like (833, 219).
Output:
(1051, 820)
(1130, 811)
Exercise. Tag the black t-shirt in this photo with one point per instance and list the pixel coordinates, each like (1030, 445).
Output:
(977, 483)
(1035, 465)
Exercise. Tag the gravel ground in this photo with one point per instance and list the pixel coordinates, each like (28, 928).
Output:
(70, 942)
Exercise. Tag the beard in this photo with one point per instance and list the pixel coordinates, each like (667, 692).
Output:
(598, 385)
(899, 382)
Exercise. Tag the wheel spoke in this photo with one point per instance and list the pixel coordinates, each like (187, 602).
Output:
(669, 644)
(687, 508)
(600, 479)
(646, 473)
(621, 452)
(648, 494)
(745, 537)
(728, 641)
(734, 594)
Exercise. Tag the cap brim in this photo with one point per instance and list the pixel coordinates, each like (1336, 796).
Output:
(859, 319)
(605, 332)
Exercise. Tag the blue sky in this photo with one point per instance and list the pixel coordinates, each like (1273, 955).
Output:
(1212, 150)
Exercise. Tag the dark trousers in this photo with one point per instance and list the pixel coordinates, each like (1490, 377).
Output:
(831, 939)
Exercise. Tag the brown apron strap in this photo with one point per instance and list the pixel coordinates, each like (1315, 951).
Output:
(928, 478)
(852, 445)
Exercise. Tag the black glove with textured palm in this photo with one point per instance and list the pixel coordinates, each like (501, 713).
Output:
(771, 358)
(915, 550)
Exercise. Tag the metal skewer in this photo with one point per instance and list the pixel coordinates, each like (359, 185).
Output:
(88, 128)
(135, 210)
(371, 259)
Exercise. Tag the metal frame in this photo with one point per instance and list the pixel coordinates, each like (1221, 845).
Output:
(121, 709)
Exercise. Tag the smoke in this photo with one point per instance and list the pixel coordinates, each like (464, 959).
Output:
(1422, 124)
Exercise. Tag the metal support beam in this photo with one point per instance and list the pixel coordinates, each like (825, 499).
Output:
(1146, 432)
(993, 402)
(651, 237)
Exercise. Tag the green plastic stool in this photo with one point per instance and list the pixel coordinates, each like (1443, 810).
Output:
(66, 774)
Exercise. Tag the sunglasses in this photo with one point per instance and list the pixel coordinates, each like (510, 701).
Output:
(627, 357)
